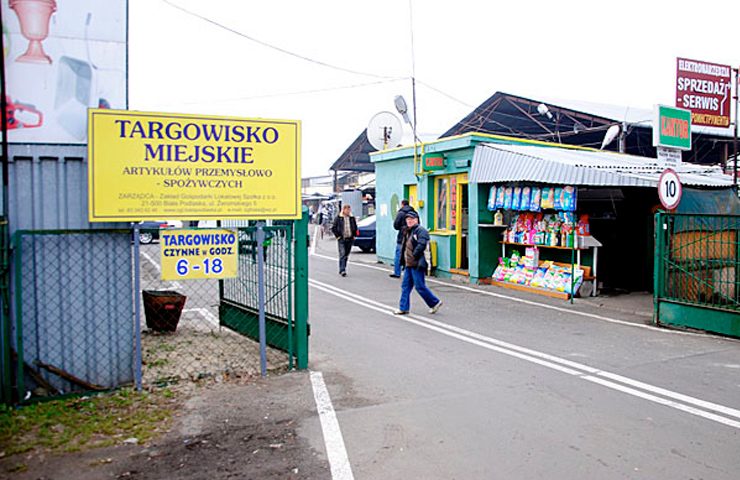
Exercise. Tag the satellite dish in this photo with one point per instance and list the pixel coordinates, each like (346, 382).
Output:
(384, 131)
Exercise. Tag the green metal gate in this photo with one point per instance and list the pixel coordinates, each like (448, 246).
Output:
(286, 289)
(697, 262)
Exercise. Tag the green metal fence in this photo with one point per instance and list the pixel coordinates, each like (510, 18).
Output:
(696, 271)
(286, 289)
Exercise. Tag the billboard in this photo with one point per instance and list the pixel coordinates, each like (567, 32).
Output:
(152, 166)
(705, 89)
(62, 57)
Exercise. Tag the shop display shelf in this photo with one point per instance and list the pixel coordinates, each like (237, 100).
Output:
(526, 288)
(491, 225)
(542, 246)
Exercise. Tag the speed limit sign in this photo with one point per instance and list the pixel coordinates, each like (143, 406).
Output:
(669, 189)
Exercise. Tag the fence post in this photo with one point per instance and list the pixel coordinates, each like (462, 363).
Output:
(260, 247)
(7, 382)
(658, 266)
(301, 290)
(138, 360)
(18, 283)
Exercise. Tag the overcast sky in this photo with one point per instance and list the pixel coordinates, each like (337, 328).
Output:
(334, 64)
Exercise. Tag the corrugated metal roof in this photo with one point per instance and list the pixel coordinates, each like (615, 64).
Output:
(495, 163)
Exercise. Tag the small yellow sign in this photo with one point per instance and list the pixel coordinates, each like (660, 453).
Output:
(198, 254)
(149, 166)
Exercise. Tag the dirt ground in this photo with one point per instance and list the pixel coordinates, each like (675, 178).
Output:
(222, 431)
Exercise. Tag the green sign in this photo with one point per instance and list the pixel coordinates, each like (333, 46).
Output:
(433, 161)
(672, 128)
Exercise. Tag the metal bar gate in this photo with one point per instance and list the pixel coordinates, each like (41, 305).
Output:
(696, 272)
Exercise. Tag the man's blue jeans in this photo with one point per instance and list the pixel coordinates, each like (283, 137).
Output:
(397, 261)
(414, 278)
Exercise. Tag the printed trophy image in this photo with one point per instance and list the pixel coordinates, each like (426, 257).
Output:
(34, 16)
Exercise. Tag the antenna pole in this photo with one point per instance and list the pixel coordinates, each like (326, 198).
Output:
(413, 79)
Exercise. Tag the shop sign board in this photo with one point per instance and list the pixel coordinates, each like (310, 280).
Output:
(669, 156)
(704, 88)
(672, 127)
(198, 254)
(149, 166)
(669, 189)
(433, 161)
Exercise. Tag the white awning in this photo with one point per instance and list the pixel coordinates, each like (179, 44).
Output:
(498, 163)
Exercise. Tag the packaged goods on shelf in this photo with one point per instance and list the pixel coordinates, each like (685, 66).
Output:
(568, 200)
(508, 197)
(558, 199)
(526, 199)
(516, 200)
(500, 196)
(548, 198)
(546, 275)
(535, 199)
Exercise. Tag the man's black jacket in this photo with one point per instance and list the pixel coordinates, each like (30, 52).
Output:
(400, 221)
(337, 227)
(419, 238)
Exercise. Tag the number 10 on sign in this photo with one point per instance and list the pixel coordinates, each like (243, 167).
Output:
(669, 189)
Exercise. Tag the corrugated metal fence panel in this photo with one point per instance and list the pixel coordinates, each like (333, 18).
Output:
(48, 188)
(76, 306)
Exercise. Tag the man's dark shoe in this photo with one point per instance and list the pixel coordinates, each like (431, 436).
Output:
(344, 274)
(393, 275)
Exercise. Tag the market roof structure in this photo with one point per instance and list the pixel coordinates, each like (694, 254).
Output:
(583, 124)
(356, 158)
(497, 163)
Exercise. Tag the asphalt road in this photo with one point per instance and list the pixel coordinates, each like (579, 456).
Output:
(495, 388)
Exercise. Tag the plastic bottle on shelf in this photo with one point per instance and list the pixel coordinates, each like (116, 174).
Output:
(498, 218)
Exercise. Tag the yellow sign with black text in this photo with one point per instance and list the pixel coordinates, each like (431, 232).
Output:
(147, 166)
(198, 254)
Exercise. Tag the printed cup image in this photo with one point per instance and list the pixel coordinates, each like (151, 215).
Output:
(34, 16)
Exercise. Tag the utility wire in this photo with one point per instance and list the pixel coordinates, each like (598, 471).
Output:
(294, 93)
(268, 45)
(445, 94)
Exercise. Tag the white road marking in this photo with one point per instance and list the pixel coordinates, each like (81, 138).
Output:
(569, 367)
(537, 304)
(315, 239)
(335, 449)
(156, 265)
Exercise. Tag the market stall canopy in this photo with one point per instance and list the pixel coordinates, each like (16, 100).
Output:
(496, 163)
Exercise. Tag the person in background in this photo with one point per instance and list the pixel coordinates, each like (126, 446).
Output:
(415, 241)
(399, 223)
(344, 228)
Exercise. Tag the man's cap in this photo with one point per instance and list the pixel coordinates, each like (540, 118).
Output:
(412, 215)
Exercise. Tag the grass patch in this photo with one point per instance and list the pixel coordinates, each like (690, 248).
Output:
(88, 422)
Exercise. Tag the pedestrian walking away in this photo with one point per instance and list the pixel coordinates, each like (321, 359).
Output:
(344, 228)
(414, 243)
(399, 223)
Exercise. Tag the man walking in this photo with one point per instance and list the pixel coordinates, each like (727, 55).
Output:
(344, 229)
(399, 223)
(415, 241)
